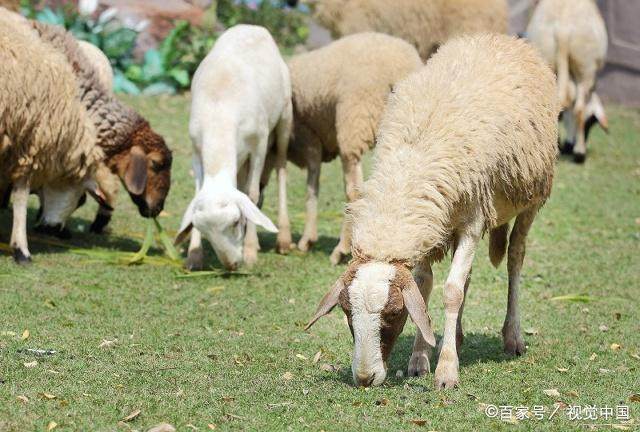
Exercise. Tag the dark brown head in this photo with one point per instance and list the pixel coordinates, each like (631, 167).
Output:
(376, 297)
(145, 169)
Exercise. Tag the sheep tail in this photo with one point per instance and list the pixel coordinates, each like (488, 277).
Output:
(498, 244)
(562, 68)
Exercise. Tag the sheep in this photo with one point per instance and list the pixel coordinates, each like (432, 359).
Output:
(132, 150)
(572, 37)
(46, 135)
(241, 103)
(57, 203)
(466, 144)
(339, 93)
(424, 23)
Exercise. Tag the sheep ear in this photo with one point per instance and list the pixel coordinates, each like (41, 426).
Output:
(328, 302)
(187, 224)
(414, 303)
(253, 213)
(98, 194)
(135, 178)
(597, 109)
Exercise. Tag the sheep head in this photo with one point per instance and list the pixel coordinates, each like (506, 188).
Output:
(145, 170)
(376, 297)
(220, 212)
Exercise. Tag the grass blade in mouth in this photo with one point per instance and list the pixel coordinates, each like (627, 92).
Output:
(167, 243)
(142, 253)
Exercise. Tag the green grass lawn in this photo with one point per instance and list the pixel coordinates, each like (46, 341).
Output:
(230, 351)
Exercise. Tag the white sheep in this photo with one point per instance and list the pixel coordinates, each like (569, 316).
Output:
(572, 37)
(46, 135)
(241, 103)
(424, 23)
(339, 93)
(466, 144)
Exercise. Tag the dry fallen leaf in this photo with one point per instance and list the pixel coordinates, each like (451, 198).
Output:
(603, 328)
(604, 371)
(25, 334)
(593, 356)
(615, 346)
(212, 426)
(573, 393)
(634, 398)
(636, 356)
(301, 357)
(552, 392)
(559, 369)
(316, 358)
(32, 364)
(620, 427)
(133, 415)
(162, 427)
(48, 396)
(531, 331)
(305, 392)
(106, 343)
(228, 398)
(418, 422)
(23, 399)
(326, 367)
(382, 402)
(52, 425)
(287, 376)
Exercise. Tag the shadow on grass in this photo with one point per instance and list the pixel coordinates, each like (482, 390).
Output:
(476, 348)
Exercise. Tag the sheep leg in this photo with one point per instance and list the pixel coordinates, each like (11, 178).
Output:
(446, 375)
(310, 234)
(459, 331)
(20, 196)
(419, 360)
(353, 179)
(580, 149)
(195, 254)
(513, 341)
(251, 243)
(283, 133)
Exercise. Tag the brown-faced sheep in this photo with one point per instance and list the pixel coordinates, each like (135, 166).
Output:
(133, 151)
(46, 135)
(466, 144)
(424, 23)
(339, 93)
(572, 37)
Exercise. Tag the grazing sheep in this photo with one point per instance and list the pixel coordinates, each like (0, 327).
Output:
(572, 37)
(241, 105)
(339, 93)
(466, 144)
(46, 135)
(132, 150)
(424, 23)
(57, 203)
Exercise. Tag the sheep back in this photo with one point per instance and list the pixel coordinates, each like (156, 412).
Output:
(45, 133)
(472, 134)
(339, 92)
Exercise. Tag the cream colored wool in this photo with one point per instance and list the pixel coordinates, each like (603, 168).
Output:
(114, 121)
(339, 92)
(100, 63)
(472, 133)
(45, 133)
(424, 23)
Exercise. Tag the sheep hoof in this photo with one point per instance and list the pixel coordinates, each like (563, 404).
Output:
(57, 231)
(284, 245)
(305, 244)
(337, 256)
(99, 223)
(513, 342)
(567, 147)
(20, 257)
(419, 364)
(446, 376)
(195, 260)
(579, 158)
